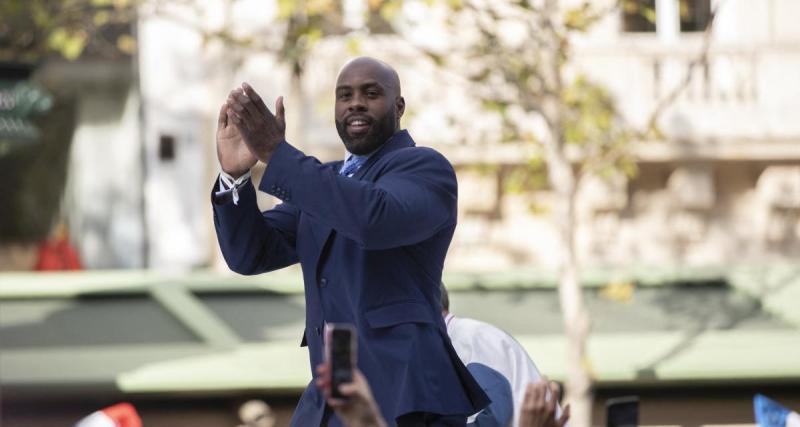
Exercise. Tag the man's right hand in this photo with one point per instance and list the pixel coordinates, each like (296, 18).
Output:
(234, 156)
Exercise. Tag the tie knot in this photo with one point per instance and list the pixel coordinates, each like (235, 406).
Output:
(351, 165)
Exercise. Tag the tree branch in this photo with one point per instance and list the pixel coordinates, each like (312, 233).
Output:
(667, 101)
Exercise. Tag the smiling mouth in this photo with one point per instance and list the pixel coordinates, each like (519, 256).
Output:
(358, 126)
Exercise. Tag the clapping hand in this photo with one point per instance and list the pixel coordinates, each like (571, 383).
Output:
(260, 130)
(234, 156)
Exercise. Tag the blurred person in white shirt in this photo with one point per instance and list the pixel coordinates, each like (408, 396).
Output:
(505, 372)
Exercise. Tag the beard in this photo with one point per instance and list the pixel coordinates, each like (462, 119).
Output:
(380, 131)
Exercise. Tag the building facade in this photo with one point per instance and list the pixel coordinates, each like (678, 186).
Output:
(722, 186)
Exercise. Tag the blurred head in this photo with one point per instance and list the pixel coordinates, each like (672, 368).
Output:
(368, 104)
(256, 413)
(445, 298)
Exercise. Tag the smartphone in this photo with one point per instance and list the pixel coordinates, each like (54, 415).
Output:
(340, 353)
(622, 412)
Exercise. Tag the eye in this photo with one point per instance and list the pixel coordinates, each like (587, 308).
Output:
(372, 93)
(343, 96)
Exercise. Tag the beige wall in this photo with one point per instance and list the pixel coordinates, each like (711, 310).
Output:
(699, 197)
(712, 212)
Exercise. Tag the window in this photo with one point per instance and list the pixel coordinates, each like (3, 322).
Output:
(639, 16)
(166, 148)
(695, 15)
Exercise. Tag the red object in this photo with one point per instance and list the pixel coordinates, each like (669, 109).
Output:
(57, 254)
(119, 415)
(124, 414)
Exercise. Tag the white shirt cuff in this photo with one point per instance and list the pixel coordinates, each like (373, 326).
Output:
(226, 182)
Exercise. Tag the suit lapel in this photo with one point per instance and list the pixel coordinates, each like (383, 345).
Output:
(399, 140)
(323, 233)
(320, 231)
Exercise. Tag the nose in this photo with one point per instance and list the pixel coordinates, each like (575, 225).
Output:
(357, 103)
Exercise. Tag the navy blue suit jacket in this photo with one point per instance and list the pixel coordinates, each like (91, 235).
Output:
(372, 250)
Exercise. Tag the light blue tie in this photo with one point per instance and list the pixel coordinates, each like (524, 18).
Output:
(351, 165)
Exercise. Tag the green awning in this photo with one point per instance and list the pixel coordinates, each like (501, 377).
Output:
(149, 332)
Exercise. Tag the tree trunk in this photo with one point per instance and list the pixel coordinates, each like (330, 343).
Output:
(295, 114)
(576, 319)
(564, 183)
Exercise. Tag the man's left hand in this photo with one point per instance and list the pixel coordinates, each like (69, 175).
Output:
(262, 131)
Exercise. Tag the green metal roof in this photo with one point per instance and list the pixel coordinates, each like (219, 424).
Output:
(149, 332)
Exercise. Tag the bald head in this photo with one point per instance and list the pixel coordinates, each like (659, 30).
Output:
(368, 104)
(379, 70)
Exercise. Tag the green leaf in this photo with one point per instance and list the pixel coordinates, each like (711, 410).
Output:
(494, 105)
(683, 7)
(390, 10)
(286, 8)
(313, 35)
(455, 4)
(57, 38)
(354, 46)
(101, 18)
(319, 7)
(70, 46)
(649, 13)
(74, 45)
(580, 18)
(126, 44)
(41, 16)
(629, 168)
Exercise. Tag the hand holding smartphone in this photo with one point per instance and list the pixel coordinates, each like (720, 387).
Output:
(340, 354)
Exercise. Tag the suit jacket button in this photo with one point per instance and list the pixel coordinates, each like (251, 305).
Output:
(317, 330)
(323, 282)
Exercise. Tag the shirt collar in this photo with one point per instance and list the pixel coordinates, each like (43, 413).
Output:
(448, 318)
(364, 157)
(360, 158)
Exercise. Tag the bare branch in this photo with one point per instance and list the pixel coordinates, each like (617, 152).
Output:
(670, 98)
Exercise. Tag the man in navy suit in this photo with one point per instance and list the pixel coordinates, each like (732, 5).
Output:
(370, 233)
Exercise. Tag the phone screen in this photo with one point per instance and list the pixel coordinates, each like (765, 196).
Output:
(341, 354)
(622, 412)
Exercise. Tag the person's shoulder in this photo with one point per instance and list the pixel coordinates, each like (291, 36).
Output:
(481, 326)
(487, 333)
(421, 150)
(419, 156)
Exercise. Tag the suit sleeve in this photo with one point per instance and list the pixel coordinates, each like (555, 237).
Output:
(414, 198)
(253, 242)
(497, 387)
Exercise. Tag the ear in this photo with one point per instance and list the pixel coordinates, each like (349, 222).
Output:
(400, 106)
